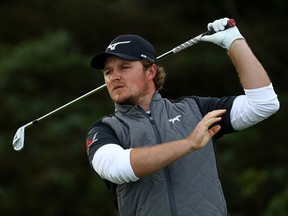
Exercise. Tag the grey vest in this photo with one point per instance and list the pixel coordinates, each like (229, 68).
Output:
(189, 186)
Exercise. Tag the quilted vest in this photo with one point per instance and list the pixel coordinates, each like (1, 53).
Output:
(190, 186)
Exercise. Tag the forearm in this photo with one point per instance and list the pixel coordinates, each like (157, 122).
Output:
(251, 73)
(119, 165)
(147, 160)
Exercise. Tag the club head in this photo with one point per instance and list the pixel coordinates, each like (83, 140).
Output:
(18, 141)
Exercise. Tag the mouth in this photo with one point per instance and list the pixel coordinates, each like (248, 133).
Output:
(117, 87)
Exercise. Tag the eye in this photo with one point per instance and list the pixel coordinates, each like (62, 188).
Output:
(106, 72)
(125, 66)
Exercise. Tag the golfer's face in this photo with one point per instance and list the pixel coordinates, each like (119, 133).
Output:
(126, 80)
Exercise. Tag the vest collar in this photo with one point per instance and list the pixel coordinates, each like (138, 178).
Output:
(128, 108)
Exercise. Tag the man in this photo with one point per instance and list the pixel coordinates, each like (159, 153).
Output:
(157, 155)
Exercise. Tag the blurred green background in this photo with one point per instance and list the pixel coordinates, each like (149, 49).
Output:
(45, 52)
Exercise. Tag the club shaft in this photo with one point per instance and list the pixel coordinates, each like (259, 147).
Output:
(176, 49)
(181, 47)
(18, 141)
(68, 104)
(231, 23)
(173, 51)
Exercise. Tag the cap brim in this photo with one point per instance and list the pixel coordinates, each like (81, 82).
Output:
(99, 59)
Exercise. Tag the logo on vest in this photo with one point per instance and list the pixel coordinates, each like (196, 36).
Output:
(90, 141)
(113, 46)
(175, 119)
(95, 138)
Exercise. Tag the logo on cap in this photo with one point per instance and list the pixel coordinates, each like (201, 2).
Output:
(113, 46)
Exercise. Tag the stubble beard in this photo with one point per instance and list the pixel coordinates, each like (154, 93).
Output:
(134, 98)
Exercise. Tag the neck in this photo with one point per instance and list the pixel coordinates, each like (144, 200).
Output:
(145, 102)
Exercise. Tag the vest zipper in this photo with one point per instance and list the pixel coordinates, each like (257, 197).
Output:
(166, 172)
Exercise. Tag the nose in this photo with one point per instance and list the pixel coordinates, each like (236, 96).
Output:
(114, 75)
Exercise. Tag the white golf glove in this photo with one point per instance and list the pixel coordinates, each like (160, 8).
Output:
(222, 37)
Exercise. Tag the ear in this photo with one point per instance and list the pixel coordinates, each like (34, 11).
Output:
(151, 72)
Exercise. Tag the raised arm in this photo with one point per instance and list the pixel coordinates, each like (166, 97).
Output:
(251, 73)
(260, 101)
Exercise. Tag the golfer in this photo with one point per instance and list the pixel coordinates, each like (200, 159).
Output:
(157, 155)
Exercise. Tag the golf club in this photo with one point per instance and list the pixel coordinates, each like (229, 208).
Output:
(18, 140)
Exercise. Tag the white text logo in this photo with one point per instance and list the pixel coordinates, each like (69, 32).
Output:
(95, 139)
(175, 119)
(113, 46)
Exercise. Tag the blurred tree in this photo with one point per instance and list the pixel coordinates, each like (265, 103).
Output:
(48, 177)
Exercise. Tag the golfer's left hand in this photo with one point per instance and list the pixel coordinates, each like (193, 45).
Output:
(222, 37)
(202, 132)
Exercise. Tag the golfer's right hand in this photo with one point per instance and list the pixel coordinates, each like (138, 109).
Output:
(203, 132)
(222, 37)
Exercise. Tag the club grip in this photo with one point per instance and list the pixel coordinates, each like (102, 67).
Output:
(231, 23)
